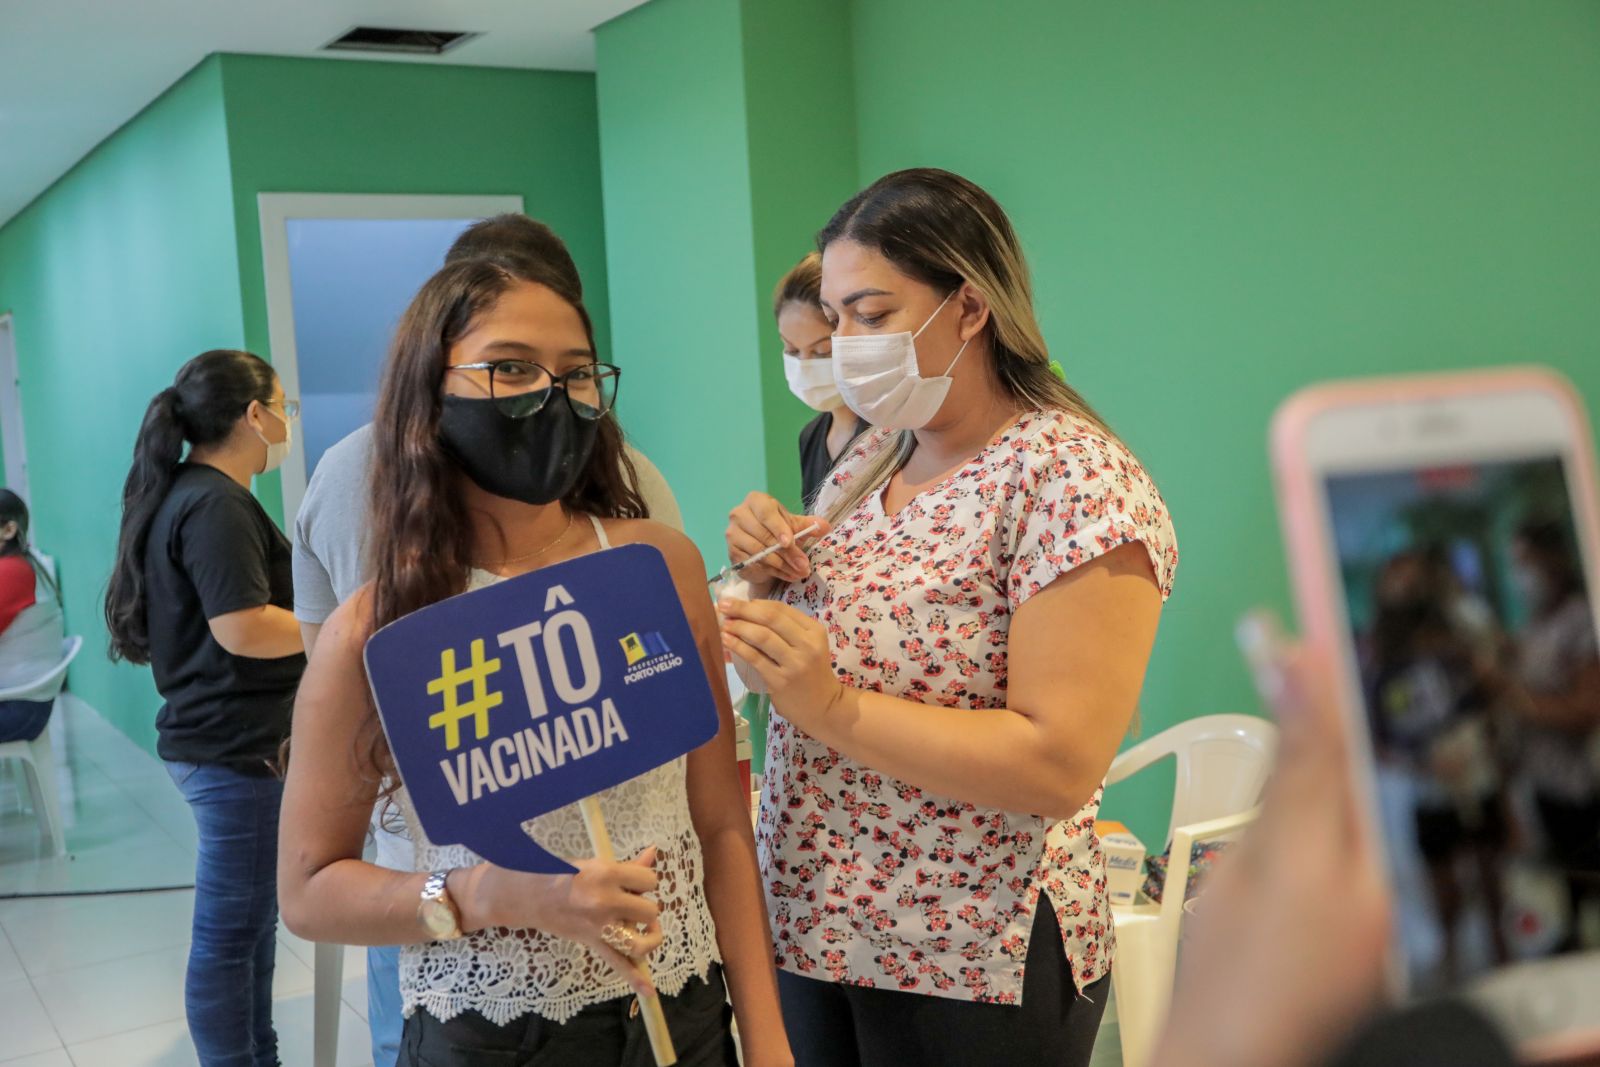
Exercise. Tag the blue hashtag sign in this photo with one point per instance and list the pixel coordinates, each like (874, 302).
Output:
(505, 703)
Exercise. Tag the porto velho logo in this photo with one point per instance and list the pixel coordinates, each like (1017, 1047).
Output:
(638, 647)
(648, 655)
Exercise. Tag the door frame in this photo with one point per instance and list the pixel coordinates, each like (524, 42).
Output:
(12, 427)
(276, 209)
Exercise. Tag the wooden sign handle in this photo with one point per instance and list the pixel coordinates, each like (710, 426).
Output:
(655, 1020)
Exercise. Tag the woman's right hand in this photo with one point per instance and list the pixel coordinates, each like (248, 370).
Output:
(761, 522)
(578, 907)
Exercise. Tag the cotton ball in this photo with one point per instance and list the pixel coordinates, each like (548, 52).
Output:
(735, 588)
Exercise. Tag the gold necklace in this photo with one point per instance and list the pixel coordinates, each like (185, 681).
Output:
(571, 518)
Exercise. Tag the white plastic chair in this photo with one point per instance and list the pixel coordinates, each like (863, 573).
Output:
(1223, 763)
(38, 755)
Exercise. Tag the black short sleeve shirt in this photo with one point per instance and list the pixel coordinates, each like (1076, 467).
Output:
(212, 551)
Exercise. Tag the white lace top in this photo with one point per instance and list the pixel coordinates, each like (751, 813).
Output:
(504, 973)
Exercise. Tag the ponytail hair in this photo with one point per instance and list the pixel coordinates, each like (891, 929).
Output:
(201, 407)
(13, 509)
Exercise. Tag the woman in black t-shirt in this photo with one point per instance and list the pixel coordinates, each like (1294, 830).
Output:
(808, 366)
(202, 593)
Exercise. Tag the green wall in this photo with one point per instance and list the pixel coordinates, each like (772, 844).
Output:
(1223, 202)
(678, 244)
(329, 126)
(725, 142)
(117, 274)
(149, 251)
(800, 121)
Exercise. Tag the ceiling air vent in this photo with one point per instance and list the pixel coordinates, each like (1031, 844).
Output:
(411, 42)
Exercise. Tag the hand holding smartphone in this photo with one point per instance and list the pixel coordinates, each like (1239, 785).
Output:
(1444, 540)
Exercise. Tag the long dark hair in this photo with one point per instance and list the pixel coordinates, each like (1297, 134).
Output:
(421, 532)
(516, 235)
(943, 230)
(201, 406)
(13, 509)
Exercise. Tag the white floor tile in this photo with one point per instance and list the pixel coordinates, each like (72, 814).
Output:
(168, 1044)
(354, 994)
(165, 1045)
(296, 954)
(153, 860)
(290, 977)
(53, 1058)
(303, 950)
(23, 1021)
(354, 991)
(10, 965)
(73, 998)
(293, 1018)
(117, 996)
(62, 933)
(167, 809)
(126, 826)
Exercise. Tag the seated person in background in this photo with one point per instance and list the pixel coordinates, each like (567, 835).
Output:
(30, 626)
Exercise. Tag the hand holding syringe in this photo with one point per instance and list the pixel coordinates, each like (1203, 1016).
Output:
(732, 570)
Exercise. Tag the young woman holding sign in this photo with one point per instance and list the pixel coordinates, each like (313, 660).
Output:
(495, 358)
(952, 663)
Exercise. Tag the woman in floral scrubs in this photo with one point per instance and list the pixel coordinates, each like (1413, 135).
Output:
(953, 661)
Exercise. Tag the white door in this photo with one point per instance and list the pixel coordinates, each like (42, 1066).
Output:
(340, 271)
(12, 440)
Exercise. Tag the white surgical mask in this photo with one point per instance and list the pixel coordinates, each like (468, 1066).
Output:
(879, 380)
(811, 380)
(277, 451)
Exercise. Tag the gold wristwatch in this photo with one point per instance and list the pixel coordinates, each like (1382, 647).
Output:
(439, 914)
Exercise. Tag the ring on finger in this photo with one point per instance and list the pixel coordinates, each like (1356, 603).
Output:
(618, 937)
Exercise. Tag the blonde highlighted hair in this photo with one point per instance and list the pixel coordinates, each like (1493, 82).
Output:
(943, 230)
(802, 285)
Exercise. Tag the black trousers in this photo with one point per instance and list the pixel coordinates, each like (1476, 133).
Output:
(604, 1035)
(834, 1025)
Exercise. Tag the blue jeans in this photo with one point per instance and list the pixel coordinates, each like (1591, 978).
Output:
(228, 992)
(383, 1004)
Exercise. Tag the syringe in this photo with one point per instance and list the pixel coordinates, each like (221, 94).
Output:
(730, 571)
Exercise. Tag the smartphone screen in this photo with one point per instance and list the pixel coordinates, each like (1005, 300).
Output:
(1473, 635)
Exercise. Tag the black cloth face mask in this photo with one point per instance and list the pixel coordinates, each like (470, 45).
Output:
(536, 459)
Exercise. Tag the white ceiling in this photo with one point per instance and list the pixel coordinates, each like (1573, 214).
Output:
(72, 71)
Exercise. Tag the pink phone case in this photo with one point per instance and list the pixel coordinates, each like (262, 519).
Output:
(1305, 535)
(1317, 595)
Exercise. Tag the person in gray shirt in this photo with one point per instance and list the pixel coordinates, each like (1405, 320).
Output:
(330, 539)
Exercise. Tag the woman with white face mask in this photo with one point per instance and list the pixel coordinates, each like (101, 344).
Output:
(807, 337)
(952, 662)
(202, 592)
(1554, 688)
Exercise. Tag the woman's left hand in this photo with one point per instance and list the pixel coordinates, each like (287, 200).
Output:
(789, 649)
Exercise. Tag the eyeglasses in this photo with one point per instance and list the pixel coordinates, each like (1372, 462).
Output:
(291, 408)
(520, 389)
